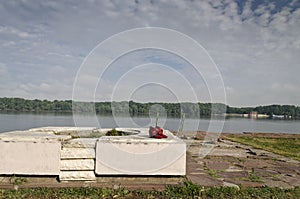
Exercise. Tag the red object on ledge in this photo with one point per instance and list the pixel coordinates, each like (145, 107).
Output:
(156, 132)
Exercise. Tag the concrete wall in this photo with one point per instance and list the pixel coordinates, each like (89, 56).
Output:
(42, 152)
(140, 155)
(30, 157)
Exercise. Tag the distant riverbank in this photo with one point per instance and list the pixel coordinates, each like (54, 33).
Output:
(191, 110)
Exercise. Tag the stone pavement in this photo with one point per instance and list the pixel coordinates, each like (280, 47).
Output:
(234, 164)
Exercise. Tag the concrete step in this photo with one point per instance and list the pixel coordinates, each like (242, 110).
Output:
(77, 153)
(77, 176)
(77, 165)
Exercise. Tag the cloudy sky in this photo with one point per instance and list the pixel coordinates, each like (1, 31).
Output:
(254, 44)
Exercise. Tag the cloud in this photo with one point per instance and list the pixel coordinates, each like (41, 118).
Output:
(255, 44)
(14, 31)
(3, 70)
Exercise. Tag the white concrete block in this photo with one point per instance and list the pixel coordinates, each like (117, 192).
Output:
(80, 143)
(77, 165)
(77, 175)
(30, 158)
(60, 129)
(71, 131)
(77, 153)
(140, 155)
(32, 136)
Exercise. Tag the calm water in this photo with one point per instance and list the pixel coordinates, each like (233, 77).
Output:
(13, 121)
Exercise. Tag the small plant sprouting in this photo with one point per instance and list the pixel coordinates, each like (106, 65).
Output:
(17, 180)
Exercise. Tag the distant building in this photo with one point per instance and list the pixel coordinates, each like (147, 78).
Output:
(253, 115)
(263, 116)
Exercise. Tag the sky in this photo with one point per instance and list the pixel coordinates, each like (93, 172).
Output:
(254, 46)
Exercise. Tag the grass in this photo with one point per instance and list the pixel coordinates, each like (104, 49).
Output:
(211, 172)
(289, 147)
(253, 177)
(184, 190)
(114, 132)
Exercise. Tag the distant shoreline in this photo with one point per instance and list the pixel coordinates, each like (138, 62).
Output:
(190, 110)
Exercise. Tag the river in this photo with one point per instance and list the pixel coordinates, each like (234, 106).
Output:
(23, 121)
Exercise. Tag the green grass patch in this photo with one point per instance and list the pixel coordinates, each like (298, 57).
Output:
(253, 177)
(211, 172)
(289, 147)
(184, 190)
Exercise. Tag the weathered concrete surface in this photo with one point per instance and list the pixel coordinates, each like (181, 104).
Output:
(80, 143)
(62, 129)
(29, 158)
(140, 155)
(78, 160)
(77, 175)
(32, 136)
(82, 132)
(77, 165)
(74, 132)
(77, 153)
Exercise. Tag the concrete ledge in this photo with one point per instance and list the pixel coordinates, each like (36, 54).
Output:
(80, 143)
(55, 151)
(77, 175)
(29, 158)
(32, 136)
(140, 155)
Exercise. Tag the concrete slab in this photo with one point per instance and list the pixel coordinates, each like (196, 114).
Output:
(29, 158)
(77, 165)
(205, 180)
(32, 136)
(80, 143)
(60, 129)
(140, 155)
(71, 131)
(77, 176)
(77, 153)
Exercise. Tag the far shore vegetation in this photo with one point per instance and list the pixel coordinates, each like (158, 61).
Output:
(191, 110)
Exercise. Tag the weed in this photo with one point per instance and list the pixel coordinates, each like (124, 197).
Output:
(114, 132)
(253, 177)
(210, 172)
(17, 180)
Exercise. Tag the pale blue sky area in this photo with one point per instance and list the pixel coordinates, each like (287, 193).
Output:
(255, 45)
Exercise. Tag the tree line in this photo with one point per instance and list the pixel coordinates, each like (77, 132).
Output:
(135, 108)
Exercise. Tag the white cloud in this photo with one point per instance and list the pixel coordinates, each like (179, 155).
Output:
(14, 31)
(3, 70)
(255, 46)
